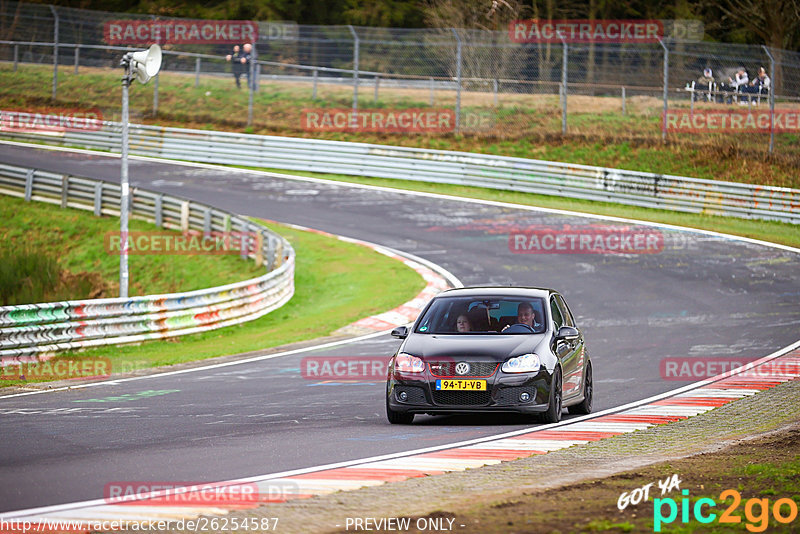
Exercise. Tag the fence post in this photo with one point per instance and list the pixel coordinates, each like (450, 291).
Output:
(251, 85)
(207, 223)
(666, 90)
(159, 209)
(77, 57)
(431, 86)
(29, 185)
(377, 85)
(314, 90)
(55, 51)
(98, 199)
(623, 100)
(771, 99)
(64, 190)
(356, 46)
(155, 82)
(494, 89)
(564, 85)
(458, 80)
(155, 95)
(197, 72)
(16, 56)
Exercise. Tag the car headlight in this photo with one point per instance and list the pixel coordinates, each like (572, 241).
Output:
(406, 363)
(527, 363)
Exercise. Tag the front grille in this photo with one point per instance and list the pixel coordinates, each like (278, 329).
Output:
(461, 398)
(510, 395)
(448, 369)
(415, 395)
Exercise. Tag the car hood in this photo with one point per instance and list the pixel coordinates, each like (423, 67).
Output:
(497, 347)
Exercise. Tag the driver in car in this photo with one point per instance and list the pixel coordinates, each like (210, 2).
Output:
(525, 315)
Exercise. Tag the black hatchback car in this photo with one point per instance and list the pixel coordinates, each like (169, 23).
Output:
(491, 349)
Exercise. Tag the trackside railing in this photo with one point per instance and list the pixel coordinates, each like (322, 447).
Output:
(677, 193)
(30, 331)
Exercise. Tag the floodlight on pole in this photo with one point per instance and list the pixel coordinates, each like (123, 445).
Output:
(142, 66)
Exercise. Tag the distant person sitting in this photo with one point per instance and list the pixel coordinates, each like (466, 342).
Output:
(463, 324)
(739, 82)
(707, 77)
(760, 85)
(704, 86)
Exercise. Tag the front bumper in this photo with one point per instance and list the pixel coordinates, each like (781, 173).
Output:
(502, 394)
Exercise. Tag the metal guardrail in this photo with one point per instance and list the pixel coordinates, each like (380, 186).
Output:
(35, 329)
(649, 190)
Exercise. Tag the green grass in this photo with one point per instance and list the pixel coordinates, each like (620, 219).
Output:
(527, 125)
(336, 283)
(77, 239)
(772, 231)
(27, 276)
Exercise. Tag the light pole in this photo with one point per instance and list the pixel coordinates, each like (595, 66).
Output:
(141, 65)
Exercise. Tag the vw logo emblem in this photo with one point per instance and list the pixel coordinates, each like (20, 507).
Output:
(462, 368)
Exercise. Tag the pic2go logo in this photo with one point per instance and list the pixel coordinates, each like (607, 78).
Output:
(756, 511)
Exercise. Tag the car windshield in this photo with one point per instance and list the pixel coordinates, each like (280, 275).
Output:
(481, 315)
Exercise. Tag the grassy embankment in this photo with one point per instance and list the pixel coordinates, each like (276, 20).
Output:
(527, 125)
(599, 135)
(336, 283)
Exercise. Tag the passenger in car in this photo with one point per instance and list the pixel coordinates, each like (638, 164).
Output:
(463, 324)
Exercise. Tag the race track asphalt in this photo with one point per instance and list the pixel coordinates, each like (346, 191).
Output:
(701, 296)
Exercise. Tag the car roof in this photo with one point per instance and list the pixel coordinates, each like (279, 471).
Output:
(498, 291)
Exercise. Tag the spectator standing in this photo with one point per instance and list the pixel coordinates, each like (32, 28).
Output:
(246, 60)
(236, 64)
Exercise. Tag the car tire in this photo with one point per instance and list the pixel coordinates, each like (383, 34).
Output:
(398, 418)
(554, 405)
(585, 406)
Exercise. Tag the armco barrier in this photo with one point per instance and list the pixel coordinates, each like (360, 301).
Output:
(32, 330)
(496, 172)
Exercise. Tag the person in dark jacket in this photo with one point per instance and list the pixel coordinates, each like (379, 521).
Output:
(246, 58)
(236, 64)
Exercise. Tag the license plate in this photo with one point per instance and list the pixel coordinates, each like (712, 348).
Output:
(461, 385)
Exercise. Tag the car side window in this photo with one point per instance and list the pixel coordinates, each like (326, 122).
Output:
(558, 321)
(565, 312)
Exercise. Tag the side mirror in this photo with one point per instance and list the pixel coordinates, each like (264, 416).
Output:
(401, 332)
(569, 333)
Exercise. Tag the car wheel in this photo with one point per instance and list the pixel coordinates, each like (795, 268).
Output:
(588, 391)
(398, 418)
(553, 413)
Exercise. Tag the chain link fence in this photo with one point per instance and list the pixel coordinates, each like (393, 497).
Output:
(491, 85)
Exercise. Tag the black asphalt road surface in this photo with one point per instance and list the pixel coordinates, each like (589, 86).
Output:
(700, 296)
